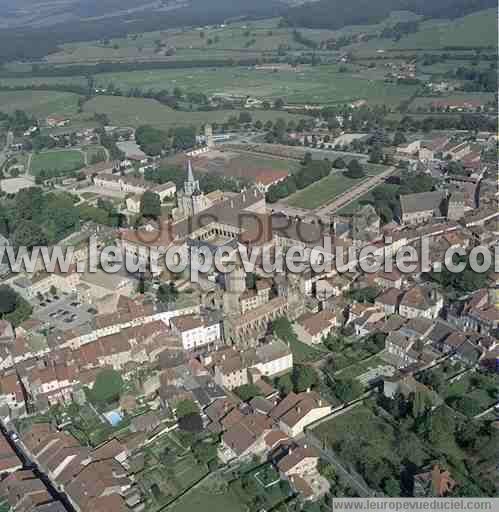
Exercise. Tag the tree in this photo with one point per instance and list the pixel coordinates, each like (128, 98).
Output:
(392, 487)
(8, 299)
(303, 378)
(53, 290)
(247, 392)
(150, 205)
(339, 163)
(355, 170)
(28, 234)
(278, 103)
(245, 118)
(376, 154)
(186, 407)
(191, 422)
(399, 138)
(285, 384)
(107, 387)
(184, 137)
(167, 293)
(347, 389)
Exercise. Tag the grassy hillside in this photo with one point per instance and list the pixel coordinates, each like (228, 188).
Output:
(335, 14)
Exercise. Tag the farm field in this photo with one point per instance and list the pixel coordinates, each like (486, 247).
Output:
(426, 102)
(322, 191)
(39, 103)
(320, 84)
(441, 68)
(239, 40)
(475, 30)
(57, 161)
(136, 111)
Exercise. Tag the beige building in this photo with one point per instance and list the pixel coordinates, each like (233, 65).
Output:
(297, 411)
(313, 328)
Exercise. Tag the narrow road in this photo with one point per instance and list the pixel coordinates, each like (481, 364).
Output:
(21, 452)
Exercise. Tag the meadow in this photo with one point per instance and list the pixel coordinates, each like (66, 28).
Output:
(137, 111)
(307, 84)
(39, 103)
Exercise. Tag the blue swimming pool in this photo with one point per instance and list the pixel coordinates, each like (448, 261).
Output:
(113, 417)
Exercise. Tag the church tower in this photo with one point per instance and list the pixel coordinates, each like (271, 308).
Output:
(192, 200)
(208, 135)
(190, 185)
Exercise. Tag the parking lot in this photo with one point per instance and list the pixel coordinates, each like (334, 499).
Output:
(62, 312)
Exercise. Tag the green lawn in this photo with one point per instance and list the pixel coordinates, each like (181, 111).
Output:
(169, 469)
(303, 353)
(323, 191)
(93, 151)
(59, 162)
(200, 499)
(361, 367)
(484, 395)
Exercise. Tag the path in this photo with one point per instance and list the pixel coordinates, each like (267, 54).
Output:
(355, 481)
(354, 193)
(483, 413)
(8, 142)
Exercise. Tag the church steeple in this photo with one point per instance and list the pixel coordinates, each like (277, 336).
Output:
(191, 186)
(190, 175)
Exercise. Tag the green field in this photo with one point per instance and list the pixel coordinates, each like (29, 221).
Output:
(237, 40)
(137, 111)
(308, 84)
(39, 103)
(60, 162)
(322, 191)
(475, 30)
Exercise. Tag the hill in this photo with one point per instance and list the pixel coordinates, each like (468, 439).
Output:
(335, 14)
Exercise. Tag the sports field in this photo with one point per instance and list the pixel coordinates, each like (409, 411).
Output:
(59, 162)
